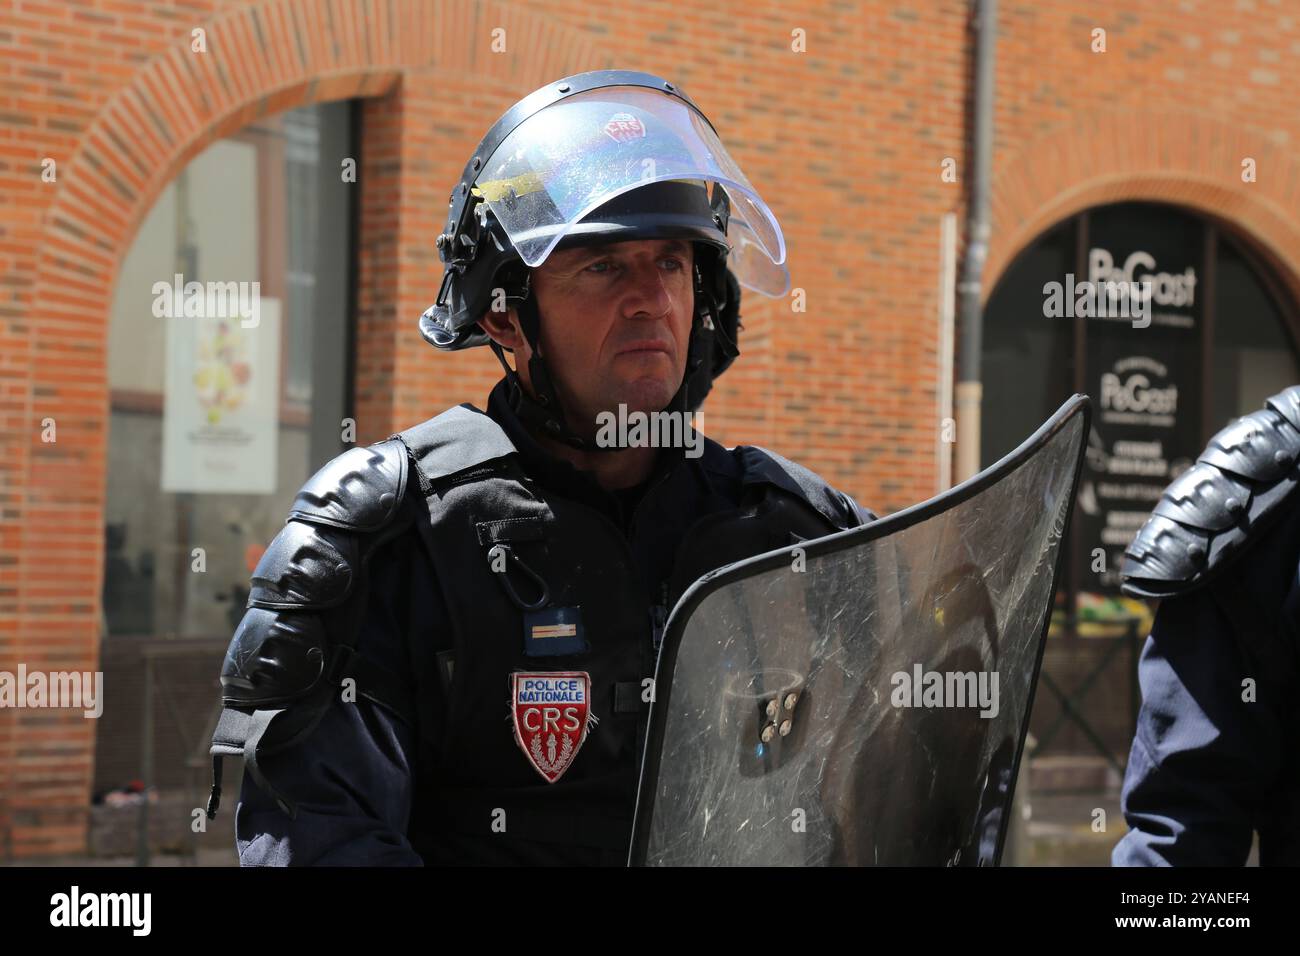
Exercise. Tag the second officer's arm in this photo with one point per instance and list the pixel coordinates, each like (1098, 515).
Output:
(1203, 760)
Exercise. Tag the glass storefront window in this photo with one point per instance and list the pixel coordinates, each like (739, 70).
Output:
(1253, 354)
(223, 404)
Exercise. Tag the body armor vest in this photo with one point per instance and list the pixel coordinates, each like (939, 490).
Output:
(507, 554)
(525, 581)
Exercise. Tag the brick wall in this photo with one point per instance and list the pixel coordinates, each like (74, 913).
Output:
(845, 141)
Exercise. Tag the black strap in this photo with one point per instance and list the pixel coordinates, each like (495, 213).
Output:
(259, 721)
(214, 796)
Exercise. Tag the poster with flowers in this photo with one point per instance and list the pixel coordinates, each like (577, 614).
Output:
(221, 402)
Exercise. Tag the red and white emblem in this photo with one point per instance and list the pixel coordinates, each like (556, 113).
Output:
(550, 714)
(624, 127)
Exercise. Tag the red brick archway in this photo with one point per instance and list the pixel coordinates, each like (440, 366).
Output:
(259, 60)
(1183, 158)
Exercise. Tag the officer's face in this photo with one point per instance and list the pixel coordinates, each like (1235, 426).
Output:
(616, 324)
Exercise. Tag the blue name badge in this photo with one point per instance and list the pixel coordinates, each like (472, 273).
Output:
(554, 632)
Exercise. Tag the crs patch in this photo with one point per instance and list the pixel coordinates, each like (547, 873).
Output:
(550, 712)
(624, 127)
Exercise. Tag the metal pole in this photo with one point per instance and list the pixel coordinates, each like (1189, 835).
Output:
(146, 765)
(970, 388)
(947, 328)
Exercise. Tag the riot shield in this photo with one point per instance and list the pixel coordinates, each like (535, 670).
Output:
(863, 698)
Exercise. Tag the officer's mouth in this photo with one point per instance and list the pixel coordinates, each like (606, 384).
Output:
(646, 347)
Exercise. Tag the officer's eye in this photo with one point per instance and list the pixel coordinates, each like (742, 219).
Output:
(607, 266)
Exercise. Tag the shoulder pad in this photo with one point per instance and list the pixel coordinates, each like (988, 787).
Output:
(359, 490)
(1212, 513)
(341, 514)
(759, 465)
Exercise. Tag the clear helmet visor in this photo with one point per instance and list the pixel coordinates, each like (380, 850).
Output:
(582, 151)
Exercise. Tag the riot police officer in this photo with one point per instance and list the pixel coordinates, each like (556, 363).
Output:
(448, 650)
(1216, 756)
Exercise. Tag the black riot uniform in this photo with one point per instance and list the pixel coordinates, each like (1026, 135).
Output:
(448, 651)
(450, 635)
(1216, 756)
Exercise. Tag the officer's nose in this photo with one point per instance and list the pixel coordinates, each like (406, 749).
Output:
(647, 294)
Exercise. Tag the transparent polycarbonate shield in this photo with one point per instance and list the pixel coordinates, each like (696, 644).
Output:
(863, 698)
(584, 150)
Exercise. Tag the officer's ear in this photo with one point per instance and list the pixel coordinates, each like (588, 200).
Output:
(503, 327)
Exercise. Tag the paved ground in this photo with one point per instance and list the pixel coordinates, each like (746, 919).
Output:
(1065, 829)
(205, 857)
(1062, 834)
(1060, 831)
(1074, 829)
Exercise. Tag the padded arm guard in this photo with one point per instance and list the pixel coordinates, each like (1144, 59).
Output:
(1210, 515)
(296, 642)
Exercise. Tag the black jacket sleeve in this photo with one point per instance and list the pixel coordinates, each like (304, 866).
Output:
(1209, 747)
(352, 776)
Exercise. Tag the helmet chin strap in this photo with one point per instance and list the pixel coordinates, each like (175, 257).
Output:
(545, 413)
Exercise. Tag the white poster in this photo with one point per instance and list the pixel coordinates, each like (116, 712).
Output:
(221, 402)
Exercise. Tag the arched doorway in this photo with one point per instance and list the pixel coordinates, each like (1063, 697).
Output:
(1210, 335)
